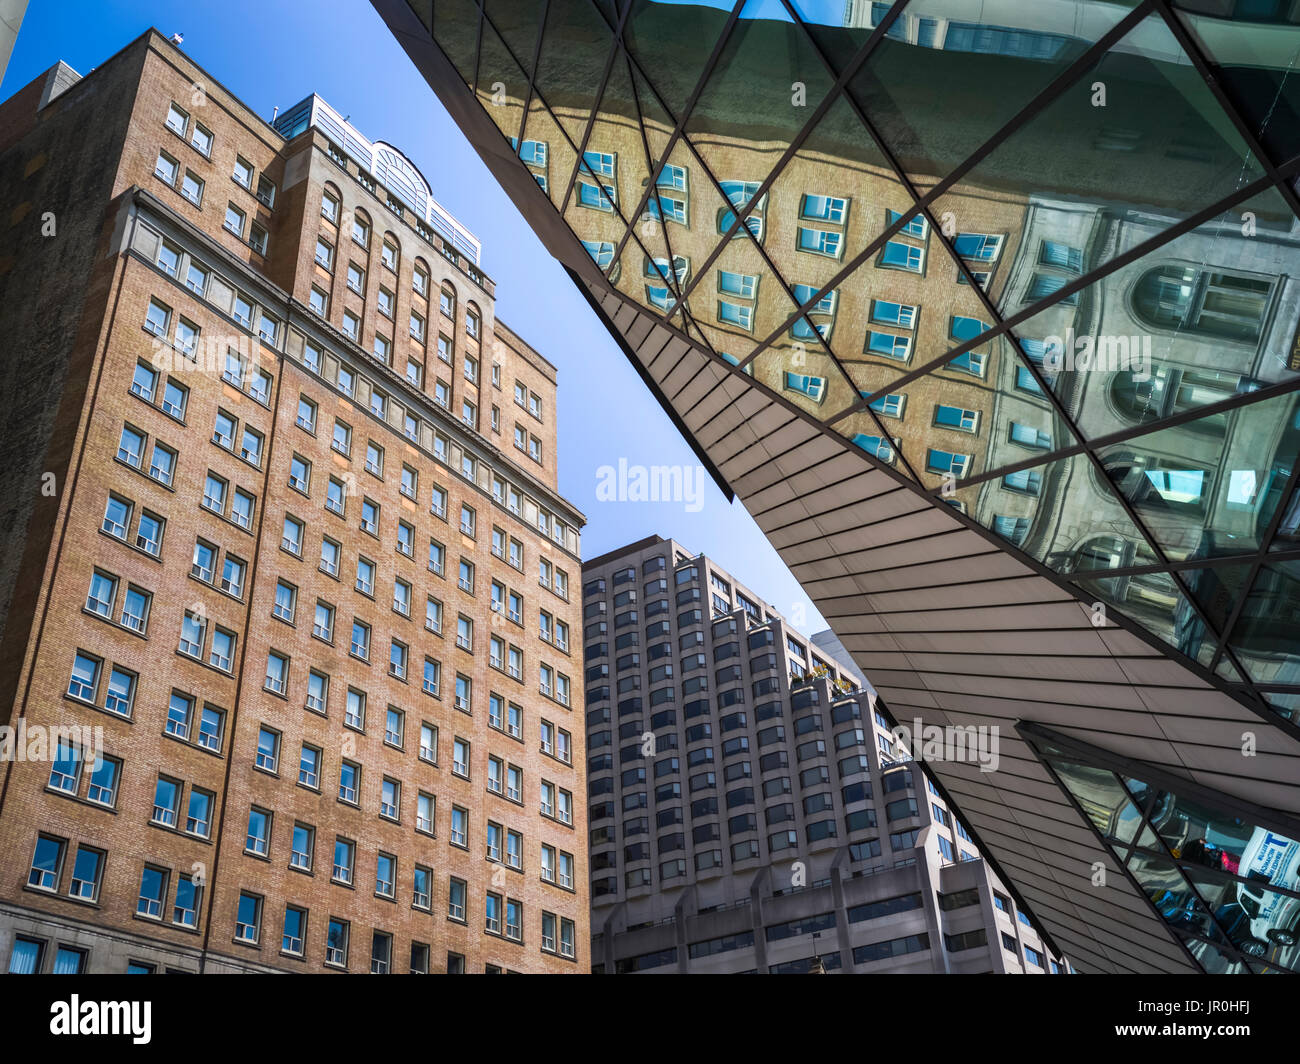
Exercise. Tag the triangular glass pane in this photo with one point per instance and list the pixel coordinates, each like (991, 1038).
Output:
(1266, 637)
(879, 437)
(1189, 324)
(1062, 513)
(1153, 601)
(1257, 63)
(1228, 671)
(739, 302)
(1284, 704)
(767, 81)
(839, 29)
(801, 370)
(900, 328)
(570, 69)
(1095, 789)
(1209, 487)
(672, 43)
(1139, 135)
(547, 153)
(919, 84)
(518, 22)
(455, 28)
(502, 87)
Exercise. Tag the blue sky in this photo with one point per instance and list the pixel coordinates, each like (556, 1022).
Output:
(275, 53)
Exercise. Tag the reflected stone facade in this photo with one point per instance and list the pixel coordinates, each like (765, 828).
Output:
(987, 311)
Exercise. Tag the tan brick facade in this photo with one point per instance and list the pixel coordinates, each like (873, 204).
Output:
(255, 436)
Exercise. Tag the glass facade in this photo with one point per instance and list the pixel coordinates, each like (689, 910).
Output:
(1047, 220)
(1227, 885)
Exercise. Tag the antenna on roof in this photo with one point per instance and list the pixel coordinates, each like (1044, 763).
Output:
(177, 39)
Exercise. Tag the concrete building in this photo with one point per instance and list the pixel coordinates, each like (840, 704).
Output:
(750, 809)
(286, 648)
(828, 643)
(845, 245)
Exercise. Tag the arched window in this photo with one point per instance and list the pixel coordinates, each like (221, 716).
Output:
(447, 301)
(361, 228)
(1109, 552)
(1170, 390)
(331, 202)
(473, 321)
(391, 254)
(420, 278)
(1214, 303)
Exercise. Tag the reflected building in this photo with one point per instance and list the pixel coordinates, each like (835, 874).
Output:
(987, 312)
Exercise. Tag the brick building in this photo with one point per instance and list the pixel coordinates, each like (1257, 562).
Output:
(286, 555)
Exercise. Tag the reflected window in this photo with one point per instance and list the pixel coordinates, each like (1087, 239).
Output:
(740, 193)
(820, 241)
(824, 208)
(806, 384)
(877, 446)
(1214, 303)
(601, 252)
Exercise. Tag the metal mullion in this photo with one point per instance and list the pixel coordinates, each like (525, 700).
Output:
(1123, 764)
(1284, 503)
(615, 47)
(1059, 407)
(1057, 87)
(1164, 853)
(1192, 48)
(1014, 467)
(835, 93)
(1083, 816)
(1133, 254)
(478, 48)
(1241, 399)
(1245, 683)
(532, 76)
(709, 66)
